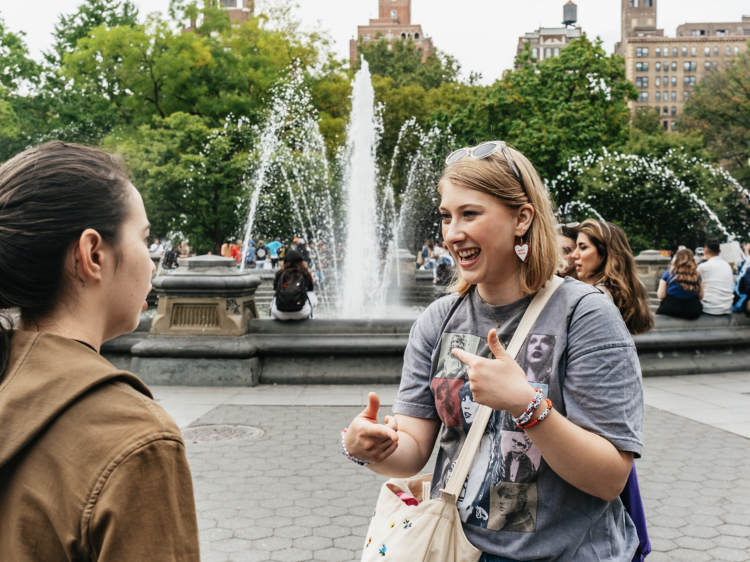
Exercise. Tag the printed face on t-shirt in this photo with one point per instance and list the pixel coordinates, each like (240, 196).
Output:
(520, 443)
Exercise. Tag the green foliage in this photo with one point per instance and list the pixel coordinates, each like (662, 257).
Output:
(554, 109)
(657, 201)
(647, 120)
(192, 176)
(719, 110)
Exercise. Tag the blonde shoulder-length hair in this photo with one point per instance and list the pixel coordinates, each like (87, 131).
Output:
(493, 176)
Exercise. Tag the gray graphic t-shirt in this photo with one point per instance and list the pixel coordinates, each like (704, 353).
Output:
(581, 354)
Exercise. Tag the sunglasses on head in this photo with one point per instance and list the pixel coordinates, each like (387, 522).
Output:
(485, 150)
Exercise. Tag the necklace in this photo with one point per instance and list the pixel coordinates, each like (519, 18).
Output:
(488, 310)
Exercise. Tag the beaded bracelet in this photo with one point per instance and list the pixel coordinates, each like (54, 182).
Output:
(524, 418)
(541, 418)
(344, 452)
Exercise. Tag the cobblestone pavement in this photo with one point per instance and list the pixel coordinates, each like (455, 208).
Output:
(292, 496)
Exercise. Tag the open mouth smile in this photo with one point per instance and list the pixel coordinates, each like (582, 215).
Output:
(468, 257)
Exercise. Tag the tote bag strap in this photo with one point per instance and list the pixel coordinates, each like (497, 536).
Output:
(465, 459)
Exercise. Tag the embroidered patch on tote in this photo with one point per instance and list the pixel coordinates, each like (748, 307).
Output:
(368, 542)
(392, 525)
(382, 551)
(407, 524)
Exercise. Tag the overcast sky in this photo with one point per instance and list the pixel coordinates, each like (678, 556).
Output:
(482, 34)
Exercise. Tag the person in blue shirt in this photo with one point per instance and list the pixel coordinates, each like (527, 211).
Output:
(681, 288)
(250, 255)
(742, 289)
(273, 252)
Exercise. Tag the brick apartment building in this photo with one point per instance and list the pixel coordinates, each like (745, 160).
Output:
(239, 10)
(393, 24)
(546, 42)
(666, 69)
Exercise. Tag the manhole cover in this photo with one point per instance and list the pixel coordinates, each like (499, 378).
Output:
(215, 433)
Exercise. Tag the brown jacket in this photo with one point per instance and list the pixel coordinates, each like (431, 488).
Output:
(91, 468)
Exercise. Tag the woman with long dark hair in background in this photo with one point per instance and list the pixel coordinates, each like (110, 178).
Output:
(293, 284)
(604, 259)
(91, 468)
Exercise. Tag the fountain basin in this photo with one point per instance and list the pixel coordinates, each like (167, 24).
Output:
(371, 351)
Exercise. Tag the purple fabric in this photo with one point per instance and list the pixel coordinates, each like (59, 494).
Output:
(631, 499)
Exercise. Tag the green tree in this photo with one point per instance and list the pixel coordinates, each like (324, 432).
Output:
(719, 110)
(20, 76)
(647, 138)
(192, 177)
(553, 109)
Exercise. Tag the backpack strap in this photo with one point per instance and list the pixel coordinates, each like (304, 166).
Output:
(469, 450)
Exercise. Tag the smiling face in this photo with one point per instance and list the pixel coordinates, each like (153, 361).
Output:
(480, 231)
(586, 256)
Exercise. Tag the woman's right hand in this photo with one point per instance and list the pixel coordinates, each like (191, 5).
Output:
(368, 440)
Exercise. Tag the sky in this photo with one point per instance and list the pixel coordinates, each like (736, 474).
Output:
(481, 34)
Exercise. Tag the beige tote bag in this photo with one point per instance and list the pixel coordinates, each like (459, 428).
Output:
(431, 531)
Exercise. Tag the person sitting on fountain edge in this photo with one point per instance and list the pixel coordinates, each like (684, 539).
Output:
(294, 298)
(718, 281)
(499, 225)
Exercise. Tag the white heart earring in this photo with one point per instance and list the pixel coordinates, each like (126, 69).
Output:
(522, 250)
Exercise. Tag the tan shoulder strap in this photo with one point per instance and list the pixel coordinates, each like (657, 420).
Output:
(482, 417)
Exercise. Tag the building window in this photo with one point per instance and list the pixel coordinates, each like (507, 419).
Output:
(657, 96)
(716, 51)
(674, 110)
(403, 36)
(674, 96)
(674, 51)
(728, 51)
(547, 53)
(674, 80)
(665, 125)
(729, 64)
(416, 36)
(736, 51)
(693, 51)
(674, 125)
(665, 110)
(557, 51)
(657, 51)
(690, 66)
(394, 14)
(641, 67)
(689, 80)
(641, 52)
(707, 51)
(684, 51)
(633, 3)
(746, 32)
(674, 66)
(697, 32)
(714, 65)
(229, 3)
(366, 38)
(685, 95)
(658, 67)
(641, 82)
(535, 53)
(643, 96)
(648, 3)
(658, 81)
(707, 65)
(722, 33)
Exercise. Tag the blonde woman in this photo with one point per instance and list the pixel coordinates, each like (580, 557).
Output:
(604, 259)
(681, 288)
(499, 225)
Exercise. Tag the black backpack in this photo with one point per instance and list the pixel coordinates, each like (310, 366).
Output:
(291, 295)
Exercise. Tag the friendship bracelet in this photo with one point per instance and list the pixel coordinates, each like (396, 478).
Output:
(524, 418)
(344, 452)
(541, 418)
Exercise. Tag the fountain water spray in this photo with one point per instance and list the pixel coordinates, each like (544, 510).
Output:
(363, 279)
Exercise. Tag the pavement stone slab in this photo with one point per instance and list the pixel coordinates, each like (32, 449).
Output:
(291, 496)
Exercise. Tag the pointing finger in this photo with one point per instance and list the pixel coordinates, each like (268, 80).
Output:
(465, 357)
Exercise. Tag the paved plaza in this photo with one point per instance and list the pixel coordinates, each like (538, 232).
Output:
(291, 496)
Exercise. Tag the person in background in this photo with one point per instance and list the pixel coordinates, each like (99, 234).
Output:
(260, 256)
(293, 246)
(430, 261)
(567, 236)
(604, 259)
(156, 247)
(680, 288)
(184, 249)
(700, 256)
(742, 288)
(250, 254)
(718, 281)
(273, 252)
(294, 297)
(303, 250)
(236, 253)
(443, 272)
(91, 467)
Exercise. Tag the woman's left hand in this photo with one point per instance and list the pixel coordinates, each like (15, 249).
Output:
(499, 384)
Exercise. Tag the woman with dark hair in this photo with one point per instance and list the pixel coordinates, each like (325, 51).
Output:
(293, 284)
(681, 288)
(604, 259)
(91, 468)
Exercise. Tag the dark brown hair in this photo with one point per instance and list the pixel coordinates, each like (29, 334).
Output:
(618, 274)
(293, 261)
(49, 195)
